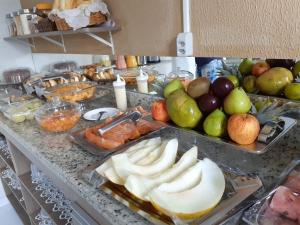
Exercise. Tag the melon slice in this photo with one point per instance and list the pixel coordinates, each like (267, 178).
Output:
(152, 156)
(140, 186)
(136, 153)
(111, 174)
(124, 167)
(185, 181)
(194, 202)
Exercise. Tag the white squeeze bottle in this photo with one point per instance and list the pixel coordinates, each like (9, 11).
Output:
(142, 82)
(120, 93)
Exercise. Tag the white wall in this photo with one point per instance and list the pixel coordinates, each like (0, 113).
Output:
(42, 62)
(12, 54)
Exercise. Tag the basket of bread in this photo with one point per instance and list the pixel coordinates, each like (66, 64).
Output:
(97, 73)
(76, 14)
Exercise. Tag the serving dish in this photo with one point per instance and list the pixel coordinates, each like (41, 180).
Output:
(20, 111)
(261, 213)
(239, 187)
(58, 116)
(74, 92)
(130, 75)
(256, 147)
(79, 137)
(94, 115)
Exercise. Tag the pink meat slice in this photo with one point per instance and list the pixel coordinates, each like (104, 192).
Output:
(270, 217)
(287, 203)
(293, 181)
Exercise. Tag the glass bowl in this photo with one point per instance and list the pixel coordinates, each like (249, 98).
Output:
(58, 116)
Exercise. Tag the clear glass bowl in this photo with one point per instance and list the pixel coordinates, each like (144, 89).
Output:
(58, 116)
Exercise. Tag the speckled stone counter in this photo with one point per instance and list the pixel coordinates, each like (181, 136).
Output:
(67, 160)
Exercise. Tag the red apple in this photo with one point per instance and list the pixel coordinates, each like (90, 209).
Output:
(259, 68)
(159, 111)
(243, 128)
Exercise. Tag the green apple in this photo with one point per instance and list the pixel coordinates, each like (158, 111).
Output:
(215, 124)
(237, 102)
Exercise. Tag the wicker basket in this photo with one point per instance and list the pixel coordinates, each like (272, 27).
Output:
(96, 18)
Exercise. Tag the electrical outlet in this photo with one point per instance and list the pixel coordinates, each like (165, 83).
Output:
(185, 44)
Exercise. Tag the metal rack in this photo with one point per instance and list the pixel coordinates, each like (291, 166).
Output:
(94, 33)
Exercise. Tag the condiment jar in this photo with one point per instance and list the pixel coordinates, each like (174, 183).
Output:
(120, 93)
(18, 23)
(131, 61)
(12, 30)
(120, 62)
(142, 82)
(24, 14)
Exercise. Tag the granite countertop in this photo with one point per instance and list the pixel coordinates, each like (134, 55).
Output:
(67, 160)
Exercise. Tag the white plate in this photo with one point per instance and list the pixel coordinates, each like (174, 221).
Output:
(93, 115)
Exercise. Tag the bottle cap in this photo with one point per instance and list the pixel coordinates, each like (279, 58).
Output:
(119, 82)
(143, 76)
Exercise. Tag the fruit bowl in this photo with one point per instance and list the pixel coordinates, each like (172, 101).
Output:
(58, 116)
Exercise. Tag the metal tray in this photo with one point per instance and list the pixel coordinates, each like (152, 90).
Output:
(251, 216)
(239, 186)
(78, 137)
(255, 148)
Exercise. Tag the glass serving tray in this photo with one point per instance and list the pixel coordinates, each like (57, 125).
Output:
(255, 148)
(79, 138)
(239, 186)
(255, 214)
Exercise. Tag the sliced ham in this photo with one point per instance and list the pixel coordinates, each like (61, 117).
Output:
(287, 203)
(293, 181)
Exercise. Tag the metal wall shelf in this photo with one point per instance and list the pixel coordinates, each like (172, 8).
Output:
(93, 32)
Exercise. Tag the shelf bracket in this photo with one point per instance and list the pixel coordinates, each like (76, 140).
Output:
(109, 43)
(32, 45)
(55, 42)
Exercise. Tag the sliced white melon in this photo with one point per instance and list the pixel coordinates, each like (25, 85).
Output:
(139, 186)
(187, 180)
(137, 152)
(124, 167)
(144, 143)
(152, 156)
(149, 154)
(194, 202)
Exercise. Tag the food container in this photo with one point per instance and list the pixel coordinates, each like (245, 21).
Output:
(58, 116)
(239, 185)
(80, 137)
(282, 204)
(11, 25)
(21, 111)
(74, 92)
(184, 76)
(131, 61)
(62, 67)
(8, 93)
(28, 18)
(16, 76)
(17, 21)
(96, 72)
(130, 75)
